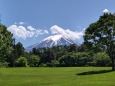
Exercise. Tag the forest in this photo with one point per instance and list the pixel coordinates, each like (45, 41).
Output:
(96, 50)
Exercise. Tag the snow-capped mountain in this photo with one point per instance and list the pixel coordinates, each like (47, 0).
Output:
(54, 40)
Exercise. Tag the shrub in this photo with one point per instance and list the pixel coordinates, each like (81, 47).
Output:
(101, 59)
(33, 60)
(54, 63)
(21, 62)
(74, 59)
(42, 65)
(3, 64)
(67, 60)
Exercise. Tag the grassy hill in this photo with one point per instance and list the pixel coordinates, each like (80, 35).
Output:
(63, 76)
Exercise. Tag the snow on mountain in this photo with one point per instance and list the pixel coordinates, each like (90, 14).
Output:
(54, 40)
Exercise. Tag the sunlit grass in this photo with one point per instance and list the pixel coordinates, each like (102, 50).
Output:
(63, 76)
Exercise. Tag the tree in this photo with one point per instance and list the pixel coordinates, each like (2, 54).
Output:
(6, 42)
(100, 36)
(20, 49)
(72, 48)
(81, 48)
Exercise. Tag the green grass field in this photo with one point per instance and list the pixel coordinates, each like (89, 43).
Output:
(62, 76)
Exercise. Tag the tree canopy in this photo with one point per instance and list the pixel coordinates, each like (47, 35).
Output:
(100, 36)
(6, 42)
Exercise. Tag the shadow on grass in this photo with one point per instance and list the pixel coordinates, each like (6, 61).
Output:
(94, 72)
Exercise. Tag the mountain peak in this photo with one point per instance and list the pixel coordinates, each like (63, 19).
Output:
(53, 40)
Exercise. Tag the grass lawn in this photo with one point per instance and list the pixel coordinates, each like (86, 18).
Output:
(62, 76)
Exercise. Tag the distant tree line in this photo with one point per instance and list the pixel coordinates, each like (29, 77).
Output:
(70, 56)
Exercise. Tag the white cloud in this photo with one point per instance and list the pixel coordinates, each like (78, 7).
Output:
(71, 34)
(23, 32)
(20, 23)
(105, 11)
(31, 28)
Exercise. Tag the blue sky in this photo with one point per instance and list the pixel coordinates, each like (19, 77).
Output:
(31, 20)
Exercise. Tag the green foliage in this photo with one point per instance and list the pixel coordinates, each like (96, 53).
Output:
(73, 48)
(100, 36)
(9, 52)
(54, 63)
(3, 64)
(6, 42)
(85, 59)
(21, 62)
(101, 59)
(42, 65)
(33, 60)
(19, 49)
(53, 53)
(74, 59)
(68, 60)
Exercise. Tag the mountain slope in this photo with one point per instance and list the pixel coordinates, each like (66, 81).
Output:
(54, 40)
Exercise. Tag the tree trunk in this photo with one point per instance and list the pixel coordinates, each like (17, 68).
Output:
(113, 65)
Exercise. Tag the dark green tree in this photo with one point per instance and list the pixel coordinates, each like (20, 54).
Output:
(100, 36)
(6, 42)
(20, 49)
(81, 48)
(34, 51)
(73, 48)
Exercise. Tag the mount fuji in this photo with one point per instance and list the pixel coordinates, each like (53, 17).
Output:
(53, 40)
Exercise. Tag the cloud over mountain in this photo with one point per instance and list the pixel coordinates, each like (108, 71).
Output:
(71, 34)
(25, 32)
(29, 31)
